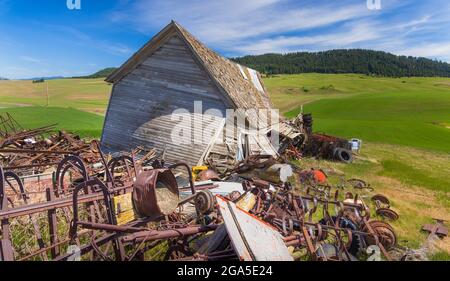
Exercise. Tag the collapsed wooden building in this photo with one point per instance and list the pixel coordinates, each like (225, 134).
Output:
(173, 71)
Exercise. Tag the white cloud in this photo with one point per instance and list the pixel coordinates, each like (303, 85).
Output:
(29, 59)
(360, 32)
(223, 21)
(431, 50)
(261, 26)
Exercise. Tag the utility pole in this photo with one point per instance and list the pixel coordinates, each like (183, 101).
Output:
(46, 83)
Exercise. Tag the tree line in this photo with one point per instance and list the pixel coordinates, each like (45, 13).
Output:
(346, 61)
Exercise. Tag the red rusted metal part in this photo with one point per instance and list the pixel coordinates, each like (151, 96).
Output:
(33, 151)
(58, 203)
(53, 225)
(145, 197)
(151, 235)
(208, 175)
(292, 214)
(383, 208)
(189, 173)
(5, 243)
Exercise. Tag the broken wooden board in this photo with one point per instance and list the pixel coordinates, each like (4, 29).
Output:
(252, 238)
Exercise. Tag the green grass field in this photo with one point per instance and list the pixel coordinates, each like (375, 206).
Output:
(404, 124)
(76, 105)
(73, 120)
(405, 127)
(84, 94)
(407, 111)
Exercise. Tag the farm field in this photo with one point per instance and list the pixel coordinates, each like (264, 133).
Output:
(77, 105)
(89, 95)
(404, 124)
(406, 111)
(83, 123)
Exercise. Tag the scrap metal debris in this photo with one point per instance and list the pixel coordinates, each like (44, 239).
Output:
(383, 207)
(297, 140)
(134, 207)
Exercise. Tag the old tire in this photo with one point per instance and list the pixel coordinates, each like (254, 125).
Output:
(386, 234)
(344, 155)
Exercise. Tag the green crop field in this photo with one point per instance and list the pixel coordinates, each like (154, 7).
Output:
(76, 105)
(84, 94)
(73, 120)
(404, 124)
(407, 111)
(405, 127)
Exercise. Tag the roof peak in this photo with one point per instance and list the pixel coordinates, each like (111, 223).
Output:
(245, 89)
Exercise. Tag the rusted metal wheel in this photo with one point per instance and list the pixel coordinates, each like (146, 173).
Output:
(381, 198)
(385, 233)
(387, 214)
(204, 201)
(357, 183)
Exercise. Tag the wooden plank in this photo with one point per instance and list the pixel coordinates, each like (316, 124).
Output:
(248, 233)
(123, 207)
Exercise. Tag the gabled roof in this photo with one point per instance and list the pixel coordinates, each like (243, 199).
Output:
(241, 84)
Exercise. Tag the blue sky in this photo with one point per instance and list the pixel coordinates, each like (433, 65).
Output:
(45, 38)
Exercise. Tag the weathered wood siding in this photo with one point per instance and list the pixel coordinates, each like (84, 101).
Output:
(141, 104)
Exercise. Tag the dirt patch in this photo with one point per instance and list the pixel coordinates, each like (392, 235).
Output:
(443, 83)
(98, 111)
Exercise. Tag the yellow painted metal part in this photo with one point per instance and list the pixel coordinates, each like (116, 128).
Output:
(247, 202)
(123, 207)
(197, 169)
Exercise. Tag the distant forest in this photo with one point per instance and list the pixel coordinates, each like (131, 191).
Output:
(346, 61)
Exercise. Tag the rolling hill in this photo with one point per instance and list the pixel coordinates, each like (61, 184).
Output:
(100, 74)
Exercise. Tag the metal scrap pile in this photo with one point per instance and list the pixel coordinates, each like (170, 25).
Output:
(297, 140)
(134, 207)
(34, 150)
(127, 210)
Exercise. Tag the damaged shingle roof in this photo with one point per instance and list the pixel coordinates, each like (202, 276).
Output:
(245, 91)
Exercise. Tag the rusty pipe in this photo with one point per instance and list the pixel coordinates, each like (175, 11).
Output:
(151, 235)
